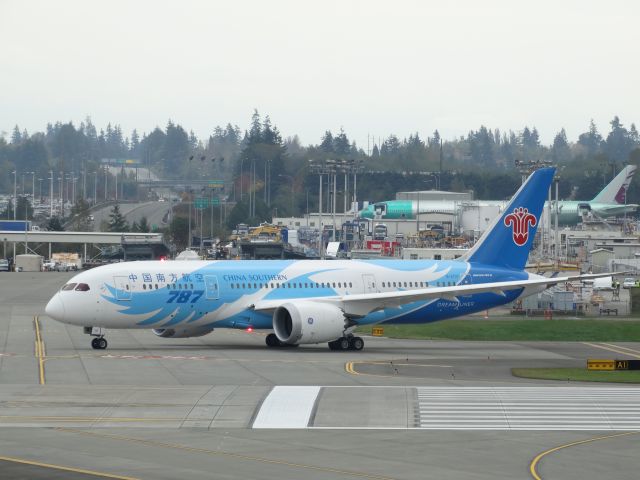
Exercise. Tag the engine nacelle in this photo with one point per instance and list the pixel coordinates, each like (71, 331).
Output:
(308, 322)
(181, 332)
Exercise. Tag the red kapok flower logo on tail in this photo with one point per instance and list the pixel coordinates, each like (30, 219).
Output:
(520, 220)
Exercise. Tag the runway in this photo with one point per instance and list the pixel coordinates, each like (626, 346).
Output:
(188, 408)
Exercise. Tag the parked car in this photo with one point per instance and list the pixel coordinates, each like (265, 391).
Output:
(629, 282)
(49, 265)
(4, 265)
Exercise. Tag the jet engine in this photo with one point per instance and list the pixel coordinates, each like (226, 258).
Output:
(308, 322)
(181, 332)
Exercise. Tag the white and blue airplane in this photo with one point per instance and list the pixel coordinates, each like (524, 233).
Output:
(311, 301)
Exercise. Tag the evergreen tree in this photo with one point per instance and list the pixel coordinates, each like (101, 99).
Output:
(341, 144)
(591, 140)
(117, 222)
(55, 224)
(179, 232)
(560, 152)
(618, 144)
(143, 226)
(24, 210)
(326, 144)
(16, 136)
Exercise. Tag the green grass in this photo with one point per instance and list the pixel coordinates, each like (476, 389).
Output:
(519, 330)
(578, 375)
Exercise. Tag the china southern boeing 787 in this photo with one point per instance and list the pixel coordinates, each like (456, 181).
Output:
(311, 301)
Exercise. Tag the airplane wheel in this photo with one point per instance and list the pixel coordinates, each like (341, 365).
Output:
(356, 343)
(95, 344)
(343, 343)
(272, 340)
(102, 343)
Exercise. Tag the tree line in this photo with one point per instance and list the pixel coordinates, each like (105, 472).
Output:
(265, 172)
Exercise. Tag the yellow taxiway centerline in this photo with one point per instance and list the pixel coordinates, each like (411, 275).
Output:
(533, 467)
(39, 350)
(349, 367)
(63, 468)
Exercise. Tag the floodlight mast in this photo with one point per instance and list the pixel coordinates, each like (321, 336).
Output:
(331, 167)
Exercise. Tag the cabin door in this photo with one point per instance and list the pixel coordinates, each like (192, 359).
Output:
(211, 285)
(369, 282)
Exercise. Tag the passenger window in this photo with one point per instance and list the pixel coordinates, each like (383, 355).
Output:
(405, 284)
(127, 287)
(334, 284)
(350, 285)
(82, 287)
(144, 287)
(382, 284)
(69, 286)
(300, 285)
(394, 284)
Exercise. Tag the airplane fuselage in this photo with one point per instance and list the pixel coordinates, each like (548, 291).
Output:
(569, 212)
(221, 294)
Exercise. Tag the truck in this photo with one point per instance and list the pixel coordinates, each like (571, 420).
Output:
(15, 225)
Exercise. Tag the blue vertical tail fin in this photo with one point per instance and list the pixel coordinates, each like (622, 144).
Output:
(507, 241)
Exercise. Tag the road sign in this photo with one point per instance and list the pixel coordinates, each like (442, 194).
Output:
(216, 184)
(201, 202)
(215, 202)
(599, 364)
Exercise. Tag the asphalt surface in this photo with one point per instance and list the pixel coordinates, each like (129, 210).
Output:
(189, 408)
(133, 212)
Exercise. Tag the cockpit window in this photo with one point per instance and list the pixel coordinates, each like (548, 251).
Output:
(69, 286)
(82, 287)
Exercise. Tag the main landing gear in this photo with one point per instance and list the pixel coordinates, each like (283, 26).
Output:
(347, 343)
(98, 343)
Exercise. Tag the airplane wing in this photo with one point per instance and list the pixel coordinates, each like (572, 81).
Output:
(359, 305)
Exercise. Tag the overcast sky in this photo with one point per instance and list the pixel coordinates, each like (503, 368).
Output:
(371, 67)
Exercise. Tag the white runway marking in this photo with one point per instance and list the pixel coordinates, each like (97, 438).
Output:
(528, 408)
(287, 407)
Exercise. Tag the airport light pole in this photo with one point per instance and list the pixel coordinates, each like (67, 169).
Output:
(15, 192)
(95, 187)
(51, 195)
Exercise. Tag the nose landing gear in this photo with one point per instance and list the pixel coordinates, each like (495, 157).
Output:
(98, 343)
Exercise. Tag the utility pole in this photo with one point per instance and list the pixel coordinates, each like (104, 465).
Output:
(51, 195)
(15, 192)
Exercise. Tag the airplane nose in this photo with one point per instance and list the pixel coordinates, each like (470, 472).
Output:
(55, 308)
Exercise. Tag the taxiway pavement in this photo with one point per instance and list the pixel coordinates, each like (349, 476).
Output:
(149, 407)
